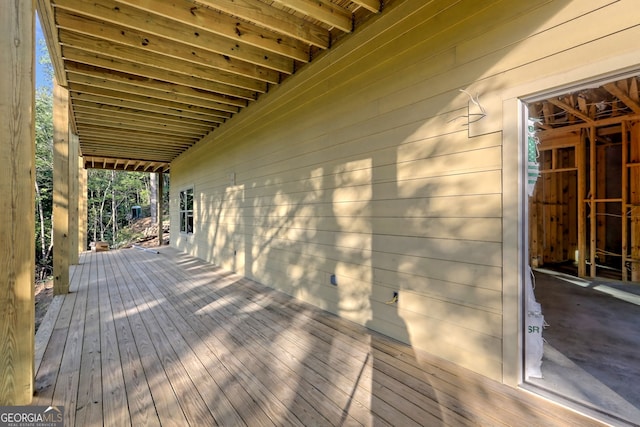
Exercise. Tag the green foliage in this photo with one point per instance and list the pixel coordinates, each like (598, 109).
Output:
(44, 178)
(111, 195)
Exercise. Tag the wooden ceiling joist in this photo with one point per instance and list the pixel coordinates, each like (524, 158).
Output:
(141, 83)
(324, 11)
(141, 42)
(275, 20)
(157, 73)
(160, 96)
(138, 115)
(244, 32)
(143, 106)
(148, 79)
(134, 125)
(156, 18)
(374, 6)
(623, 96)
(150, 102)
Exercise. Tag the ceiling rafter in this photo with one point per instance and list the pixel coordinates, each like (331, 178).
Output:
(141, 83)
(569, 109)
(160, 96)
(192, 32)
(153, 117)
(132, 124)
(143, 106)
(214, 114)
(623, 96)
(152, 121)
(324, 11)
(148, 59)
(205, 19)
(148, 79)
(374, 6)
(77, 55)
(147, 42)
(273, 19)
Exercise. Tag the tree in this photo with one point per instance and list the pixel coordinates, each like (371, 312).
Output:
(44, 167)
(44, 179)
(111, 195)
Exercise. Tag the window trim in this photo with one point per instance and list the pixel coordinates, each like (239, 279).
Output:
(184, 212)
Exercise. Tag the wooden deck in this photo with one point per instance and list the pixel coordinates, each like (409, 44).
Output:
(166, 339)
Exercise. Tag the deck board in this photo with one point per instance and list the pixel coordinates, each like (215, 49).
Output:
(167, 339)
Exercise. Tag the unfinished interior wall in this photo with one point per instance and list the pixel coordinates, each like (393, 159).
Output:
(553, 208)
(583, 210)
(370, 172)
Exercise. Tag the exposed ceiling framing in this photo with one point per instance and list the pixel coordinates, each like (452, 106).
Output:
(148, 79)
(604, 107)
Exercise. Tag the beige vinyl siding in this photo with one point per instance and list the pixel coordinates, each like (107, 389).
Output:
(364, 165)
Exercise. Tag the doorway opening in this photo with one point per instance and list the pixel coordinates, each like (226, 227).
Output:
(583, 216)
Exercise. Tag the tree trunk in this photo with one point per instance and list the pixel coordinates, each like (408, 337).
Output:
(153, 188)
(43, 243)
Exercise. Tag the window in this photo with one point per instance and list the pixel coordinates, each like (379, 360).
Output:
(186, 211)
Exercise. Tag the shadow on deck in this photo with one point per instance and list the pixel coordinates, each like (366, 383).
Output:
(167, 339)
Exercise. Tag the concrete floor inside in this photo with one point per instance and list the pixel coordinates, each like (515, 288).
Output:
(592, 344)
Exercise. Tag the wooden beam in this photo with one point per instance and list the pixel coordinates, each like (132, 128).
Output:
(94, 29)
(159, 61)
(156, 73)
(208, 20)
(82, 206)
(125, 96)
(616, 91)
(593, 211)
(104, 109)
(141, 82)
(50, 32)
(83, 119)
(144, 106)
(160, 188)
(154, 26)
(274, 19)
(581, 156)
(17, 220)
(324, 11)
(60, 190)
(569, 109)
(374, 6)
(74, 159)
(142, 90)
(624, 186)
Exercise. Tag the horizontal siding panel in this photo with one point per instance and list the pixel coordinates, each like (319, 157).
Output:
(468, 162)
(480, 229)
(471, 318)
(478, 352)
(472, 252)
(549, 40)
(472, 296)
(480, 275)
(364, 165)
(473, 206)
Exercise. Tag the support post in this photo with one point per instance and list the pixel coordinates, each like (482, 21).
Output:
(160, 187)
(60, 190)
(74, 149)
(17, 218)
(593, 185)
(582, 202)
(82, 206)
